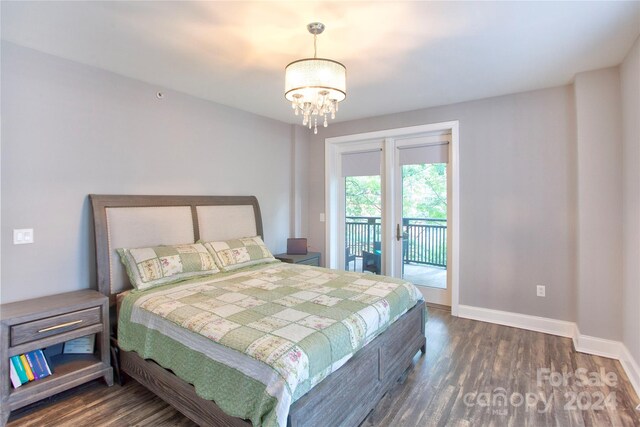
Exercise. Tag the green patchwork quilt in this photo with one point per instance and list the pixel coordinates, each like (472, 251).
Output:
(257, 339)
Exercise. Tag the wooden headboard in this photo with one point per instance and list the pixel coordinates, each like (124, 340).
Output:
(130, 221)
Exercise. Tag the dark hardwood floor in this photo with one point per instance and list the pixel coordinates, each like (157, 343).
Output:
(474, 374)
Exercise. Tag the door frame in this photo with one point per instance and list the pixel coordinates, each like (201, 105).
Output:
(337, 214)
(435, 295)
(335, 146)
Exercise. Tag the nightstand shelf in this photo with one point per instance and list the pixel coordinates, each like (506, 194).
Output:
(310, 258)
(39, 323)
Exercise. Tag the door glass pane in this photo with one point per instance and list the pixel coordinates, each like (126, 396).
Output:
(363, 207)
(424, 224)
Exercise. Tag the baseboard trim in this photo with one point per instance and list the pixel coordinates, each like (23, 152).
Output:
(597, 346)
(523, 321)
(631, 368)
(582, 343)
(438, 306)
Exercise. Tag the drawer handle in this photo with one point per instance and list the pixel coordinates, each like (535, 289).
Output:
(62, 325)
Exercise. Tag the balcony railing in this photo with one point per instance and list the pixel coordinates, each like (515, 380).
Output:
(426, 238)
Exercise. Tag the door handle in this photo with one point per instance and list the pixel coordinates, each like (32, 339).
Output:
(398, 233)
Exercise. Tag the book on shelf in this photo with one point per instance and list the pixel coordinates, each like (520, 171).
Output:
(15, 379)
(30, 366)
(38, 364)
(45, 361)
(17, 365)
(27, 368)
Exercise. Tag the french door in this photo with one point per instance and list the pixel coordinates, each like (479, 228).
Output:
(421, 214)
(405, 229)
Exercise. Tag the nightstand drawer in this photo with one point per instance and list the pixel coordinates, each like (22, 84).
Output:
(31, 331)
(312, 261)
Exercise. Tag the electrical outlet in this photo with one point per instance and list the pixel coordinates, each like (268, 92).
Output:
(540, 290)
(22, 236)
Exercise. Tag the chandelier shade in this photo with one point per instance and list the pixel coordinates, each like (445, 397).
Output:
(309, 77)
(315, 86)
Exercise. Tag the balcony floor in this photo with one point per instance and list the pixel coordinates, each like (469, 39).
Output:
(418, 274)
(426, 275)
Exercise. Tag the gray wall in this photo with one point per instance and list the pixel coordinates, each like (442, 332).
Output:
(300, 181)
(526, 164)
(630, 85)
(69, 130)
(599, 142)
(517, 197)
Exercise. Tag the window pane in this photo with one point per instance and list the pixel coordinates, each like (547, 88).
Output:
(363, 207)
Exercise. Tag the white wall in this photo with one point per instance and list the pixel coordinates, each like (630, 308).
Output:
(630, 88)
(529, 172)
(69, 130)
(517, 201)
(300, 181)
(541, 182)
(599, 144)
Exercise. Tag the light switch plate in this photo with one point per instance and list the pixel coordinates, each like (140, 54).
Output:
(22, 236)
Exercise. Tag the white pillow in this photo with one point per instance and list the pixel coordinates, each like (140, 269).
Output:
(161, 265)
(233, 254)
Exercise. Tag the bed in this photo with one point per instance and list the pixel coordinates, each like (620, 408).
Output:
(343, 397)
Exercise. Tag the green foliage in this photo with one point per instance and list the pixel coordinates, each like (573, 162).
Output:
(424, 192)
(363, 196)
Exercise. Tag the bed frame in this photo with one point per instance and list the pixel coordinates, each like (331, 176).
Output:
(343, 398)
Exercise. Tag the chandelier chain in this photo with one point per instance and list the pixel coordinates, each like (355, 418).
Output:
(315, 46)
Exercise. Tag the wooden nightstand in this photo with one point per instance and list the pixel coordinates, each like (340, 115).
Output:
(311, 258)
(42, 322)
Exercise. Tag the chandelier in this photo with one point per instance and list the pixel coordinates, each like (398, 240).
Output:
(315, 85)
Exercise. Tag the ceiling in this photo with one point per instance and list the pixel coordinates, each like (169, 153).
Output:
(399, 56)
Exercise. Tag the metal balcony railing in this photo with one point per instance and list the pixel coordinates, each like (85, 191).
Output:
(426, 238)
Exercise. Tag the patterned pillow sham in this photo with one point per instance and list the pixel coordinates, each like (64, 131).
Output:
(237, 253)
(160, 265)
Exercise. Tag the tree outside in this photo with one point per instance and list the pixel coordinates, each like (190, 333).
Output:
(424, 193)
(424, 196)
(363, 196)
